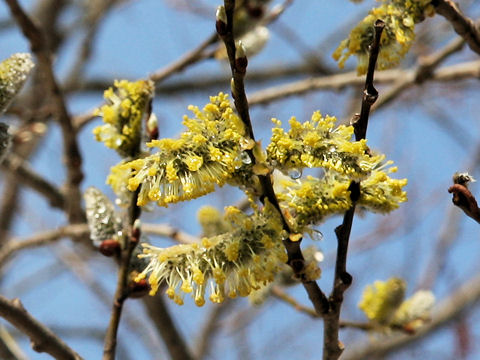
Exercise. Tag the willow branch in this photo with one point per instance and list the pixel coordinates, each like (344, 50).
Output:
(238, 66)
(463, 25)
(42, 338)
(448, 234)
(332, 348)
(338, 82)
(9, 349)
(72, 156)
(131, 240)
(179, 65)
(26, 175)
(98, 11)
(189, 58)
(77, 262)
(41, 239)
(169, 231)
(159, 314)
(280, 294)
(425, 71)
(122, 290)
(464, 199)
(210, 329)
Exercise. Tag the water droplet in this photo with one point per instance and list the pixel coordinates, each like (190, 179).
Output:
(295, 173)
(332, 148)
(316, 235)
(318, 256)
(245, 158)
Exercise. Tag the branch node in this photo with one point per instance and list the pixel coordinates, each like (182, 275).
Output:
(346, 279)
(370, 95)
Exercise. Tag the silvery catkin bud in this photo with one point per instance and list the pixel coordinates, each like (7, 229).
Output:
(102, 220)
(13, 74)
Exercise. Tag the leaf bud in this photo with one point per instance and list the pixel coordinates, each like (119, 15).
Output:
(221, 21)
(241, 61)
(109, 247)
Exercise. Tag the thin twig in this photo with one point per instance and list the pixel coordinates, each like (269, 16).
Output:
(97, 11)
(179, 65)
(332, 348)
(426, 64)
(9, 349)
(189, 58)
(77, 262)
(169, 231)
(447, 236)
(159, 314)
(463, 26)
(121, 292)
(131, 240)
(356, 325)
(238, 65)
(27, 176)
(42, 338)
(41, 239)
(425, 71)
(338, 82)
(72, 156)
(464, 199)
(209, 329)
(280, 294)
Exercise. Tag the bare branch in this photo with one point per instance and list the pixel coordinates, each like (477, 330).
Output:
(463, 26)
(464, 199)
(425, 71)
(466, 70)
(448, 235)
(332, 348)
(402, 79)
(27, 176)
(159, 314)
(41, 239)
(238, 65)
(171, 232)
(97, 12)
(280, 294)
(9, 349)
(189, 58)
(72, 156)
(122, 290)
(210, 329)
(43, 339)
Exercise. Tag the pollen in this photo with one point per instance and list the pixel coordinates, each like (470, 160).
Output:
(234, 263)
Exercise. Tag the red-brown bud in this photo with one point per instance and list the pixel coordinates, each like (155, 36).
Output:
(138, 289)
(109, 247)
(221, 21)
